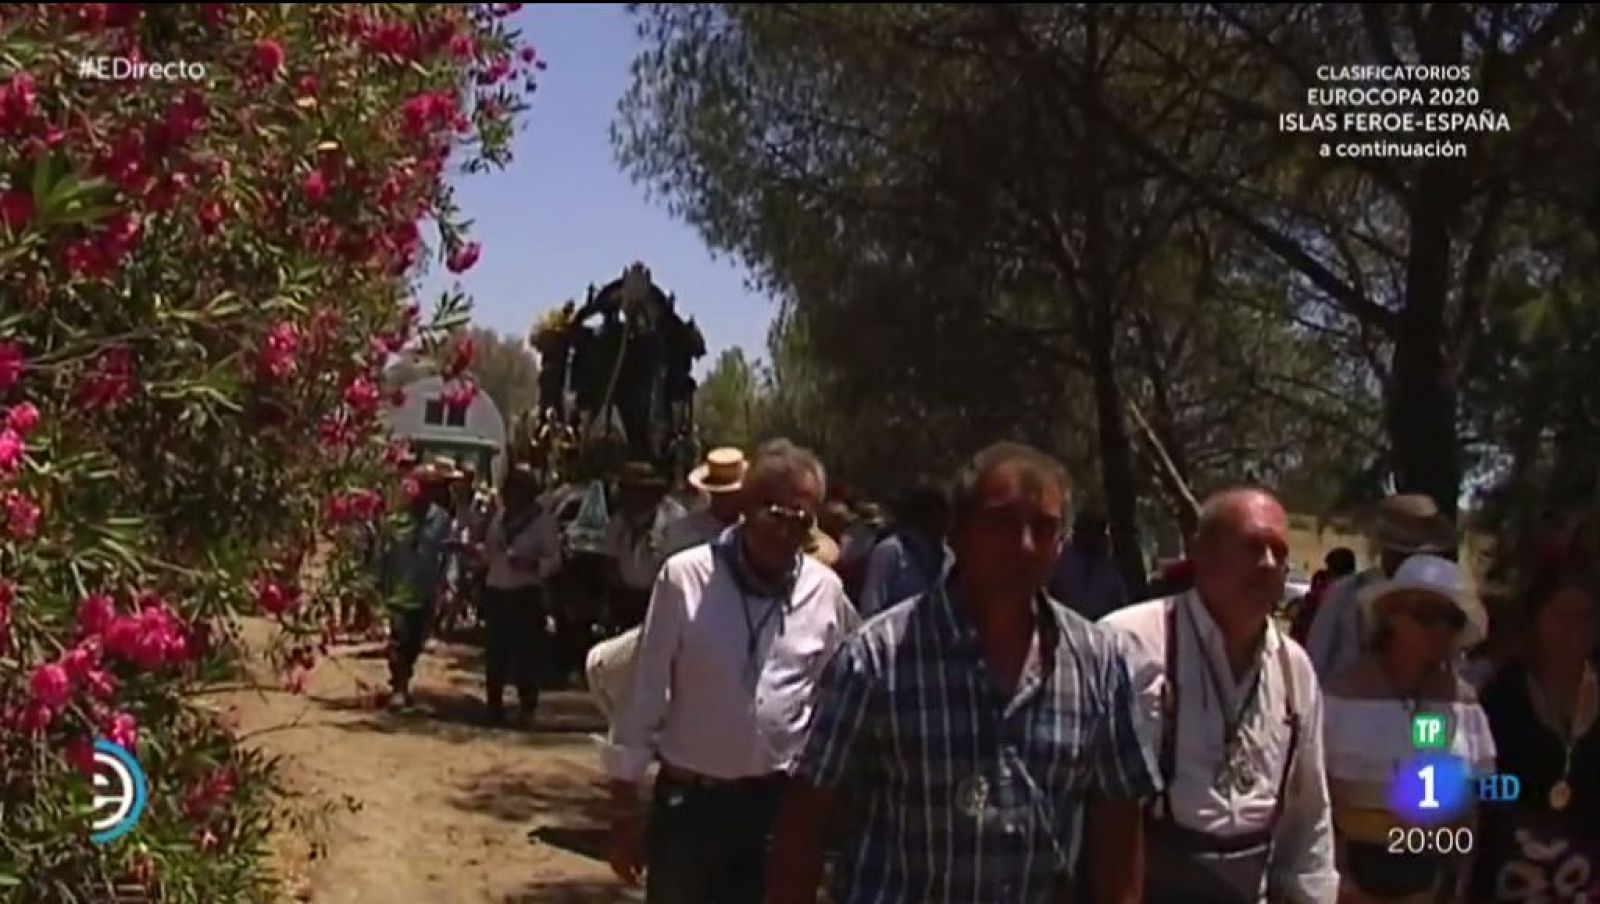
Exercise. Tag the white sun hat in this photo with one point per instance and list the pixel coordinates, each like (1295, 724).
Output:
(1435, 576)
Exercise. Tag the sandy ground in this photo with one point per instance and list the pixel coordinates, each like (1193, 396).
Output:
(430, 807)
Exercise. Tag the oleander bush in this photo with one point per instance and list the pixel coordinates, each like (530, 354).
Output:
(201, 280)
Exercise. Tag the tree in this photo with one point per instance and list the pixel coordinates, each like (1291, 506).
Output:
(934, 207)
(201, 282)
(730, 403)
(506, 369)
(1405, 252)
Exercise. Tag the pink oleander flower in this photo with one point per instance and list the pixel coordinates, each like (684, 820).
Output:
(150, 640)
(462, 259)
(273, 599)
(35, 718)
(11, 362)
(50, 687)
(460, 396)
(363, 396)
(80, 755)
(96, 614)
(8, 596)
(11, 451)
(315, 187)
(22, 517)
(81, 661)
(209, 214)
(18, 102)
(267, 57)
(16, 210)
(460, 359)
(23, 418)
(123, 731)
(206, 795)
(101, 685)
(112, 382)
(279, 350)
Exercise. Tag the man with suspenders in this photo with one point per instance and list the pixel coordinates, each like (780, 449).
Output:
(1245, 817)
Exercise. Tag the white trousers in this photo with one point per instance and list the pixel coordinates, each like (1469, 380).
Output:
(609, 669)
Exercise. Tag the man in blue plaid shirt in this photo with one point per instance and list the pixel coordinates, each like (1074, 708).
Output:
(971, 729)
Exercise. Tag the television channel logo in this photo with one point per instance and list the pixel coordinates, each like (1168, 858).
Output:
(120, 792)
(1429, 732)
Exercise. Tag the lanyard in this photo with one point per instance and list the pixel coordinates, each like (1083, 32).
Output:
(1231, 725)
(755, 628)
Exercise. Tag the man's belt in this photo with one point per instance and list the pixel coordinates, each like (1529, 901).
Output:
(697, 780)
(1181, 838)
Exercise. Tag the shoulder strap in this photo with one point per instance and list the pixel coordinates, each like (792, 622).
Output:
(1292, 716)
(1169, 708)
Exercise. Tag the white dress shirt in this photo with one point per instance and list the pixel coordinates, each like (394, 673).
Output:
(1337, 636)
(526, 559)
(692, 684)
(693, 529)
(1302, 868)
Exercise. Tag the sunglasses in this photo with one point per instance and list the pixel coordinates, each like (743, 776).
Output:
(1436, 617)
(794, 519)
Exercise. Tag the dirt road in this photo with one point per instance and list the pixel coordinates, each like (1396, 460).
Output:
(431, 807)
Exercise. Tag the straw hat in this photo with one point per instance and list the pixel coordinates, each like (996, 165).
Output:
(641, 475)
(821, 547)
(1412, 523)
(721, 472)
(440, 468)
(1435, 576)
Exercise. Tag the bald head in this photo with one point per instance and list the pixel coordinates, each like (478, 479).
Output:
(1225, 510)
(1241, 553)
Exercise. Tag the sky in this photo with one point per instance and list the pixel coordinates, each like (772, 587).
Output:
(563, 214)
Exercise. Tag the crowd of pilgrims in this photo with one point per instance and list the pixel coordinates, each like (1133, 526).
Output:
(959, 702)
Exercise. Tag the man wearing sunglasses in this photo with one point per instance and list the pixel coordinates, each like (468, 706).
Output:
(737, 633)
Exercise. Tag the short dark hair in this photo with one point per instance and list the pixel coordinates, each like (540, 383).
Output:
(922, 501)
(1033, 464)
(1340, 560)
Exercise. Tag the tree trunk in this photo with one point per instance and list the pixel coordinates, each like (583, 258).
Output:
(1116, 469)
(1423, 395)
(1116, 452)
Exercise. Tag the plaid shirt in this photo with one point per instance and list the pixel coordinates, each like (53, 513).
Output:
(966, 797)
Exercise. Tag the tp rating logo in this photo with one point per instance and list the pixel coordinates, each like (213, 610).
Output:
(120, 791)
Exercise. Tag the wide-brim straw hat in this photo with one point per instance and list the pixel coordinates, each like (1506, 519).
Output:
(1411, 523)
(439, 469)
(722, 471)
(641, 475)
(1435, 576)
(821, 547)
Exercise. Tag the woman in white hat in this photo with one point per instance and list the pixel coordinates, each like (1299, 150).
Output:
(1419, 620)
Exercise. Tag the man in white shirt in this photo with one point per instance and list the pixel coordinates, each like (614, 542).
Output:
(737, 634)
(1405, 525)
(1237, 714)
(609, 665)
(719, 478)
(633, 539)
(522, 548)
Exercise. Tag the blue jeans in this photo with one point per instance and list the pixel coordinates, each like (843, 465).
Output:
(707, 844)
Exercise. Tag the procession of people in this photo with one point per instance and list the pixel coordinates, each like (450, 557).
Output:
(963, 703)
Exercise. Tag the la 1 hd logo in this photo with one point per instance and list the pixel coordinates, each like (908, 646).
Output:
(120, 792)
